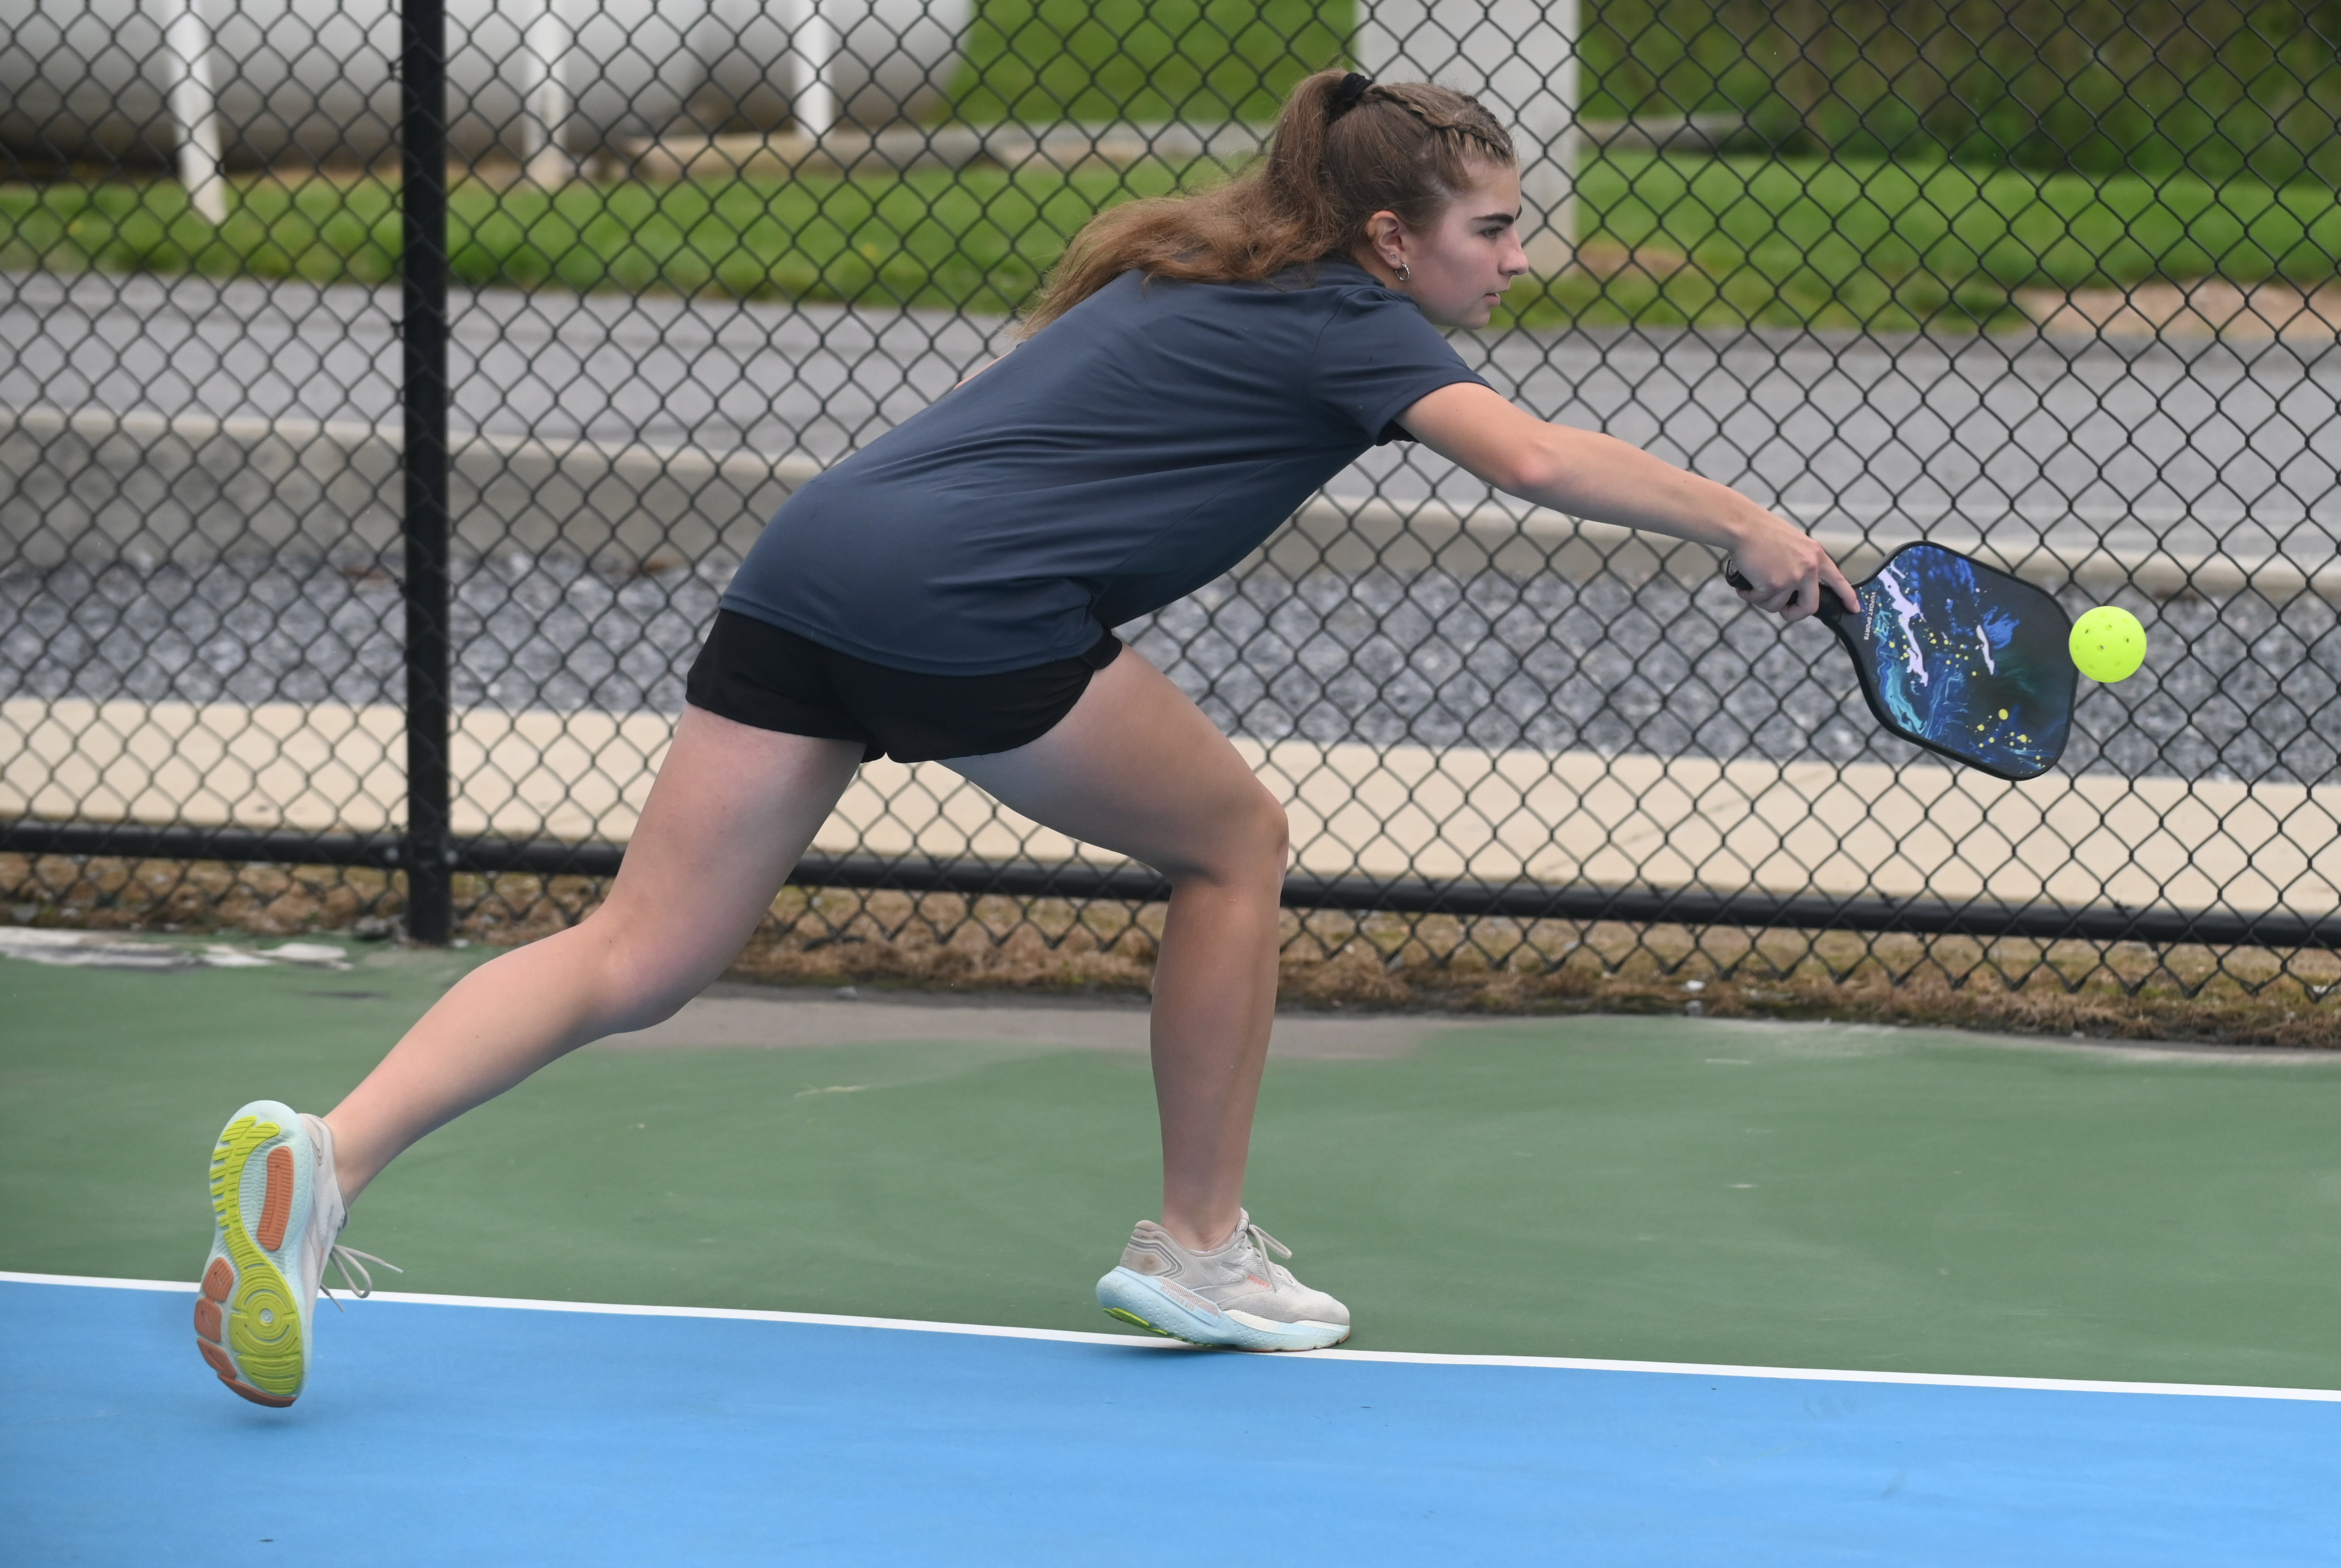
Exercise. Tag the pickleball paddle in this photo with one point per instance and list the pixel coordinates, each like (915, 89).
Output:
(1961, 658)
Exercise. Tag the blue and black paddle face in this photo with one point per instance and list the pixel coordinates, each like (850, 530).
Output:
(1962, 658)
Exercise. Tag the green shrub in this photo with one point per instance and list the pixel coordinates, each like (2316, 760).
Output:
(2216, 87)
(1204, 61)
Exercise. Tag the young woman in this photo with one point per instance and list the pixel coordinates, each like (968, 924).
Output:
(1197, 367)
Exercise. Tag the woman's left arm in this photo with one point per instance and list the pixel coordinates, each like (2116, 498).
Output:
(1602, 478)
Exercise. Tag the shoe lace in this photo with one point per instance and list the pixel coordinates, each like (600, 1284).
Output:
(1263, 1244)
(347, 1257)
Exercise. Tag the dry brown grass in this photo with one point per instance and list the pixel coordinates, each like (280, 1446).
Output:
(2238, 995)
(107, 893)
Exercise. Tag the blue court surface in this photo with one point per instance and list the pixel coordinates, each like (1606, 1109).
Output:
(446, 1430)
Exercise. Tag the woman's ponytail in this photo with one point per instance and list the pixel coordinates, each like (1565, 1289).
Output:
(1344, 148)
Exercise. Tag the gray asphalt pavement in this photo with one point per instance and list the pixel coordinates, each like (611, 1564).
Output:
(2193, 448)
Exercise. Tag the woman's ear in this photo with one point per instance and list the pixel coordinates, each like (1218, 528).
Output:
(1386, 237)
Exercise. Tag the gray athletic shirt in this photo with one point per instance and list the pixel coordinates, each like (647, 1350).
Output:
(1125, 455)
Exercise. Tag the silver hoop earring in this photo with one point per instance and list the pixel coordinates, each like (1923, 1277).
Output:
(1405, 273)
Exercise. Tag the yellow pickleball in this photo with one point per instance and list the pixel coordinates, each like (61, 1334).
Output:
(2108, 644)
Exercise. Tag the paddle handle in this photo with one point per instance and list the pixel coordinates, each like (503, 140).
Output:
(1830, 610)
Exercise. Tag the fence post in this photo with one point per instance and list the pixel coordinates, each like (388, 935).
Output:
(195, 111)
(1519, 58)
(547, 42)
(813, 38)
(422, 400)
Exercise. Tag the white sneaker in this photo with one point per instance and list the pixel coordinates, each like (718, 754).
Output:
(277, 1208)
(1235, 1297)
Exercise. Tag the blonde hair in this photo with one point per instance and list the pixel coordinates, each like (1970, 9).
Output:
(1343, 149)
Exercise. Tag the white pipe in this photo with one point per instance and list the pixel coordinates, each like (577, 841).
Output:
(814, 36)
(549, 102)
(194, 110)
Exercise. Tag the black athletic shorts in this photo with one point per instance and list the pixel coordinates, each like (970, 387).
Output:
(755, 673)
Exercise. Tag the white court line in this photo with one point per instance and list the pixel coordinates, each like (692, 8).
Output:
(1406, 1357)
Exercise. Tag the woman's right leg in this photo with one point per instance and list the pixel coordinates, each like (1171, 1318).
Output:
(731, 812)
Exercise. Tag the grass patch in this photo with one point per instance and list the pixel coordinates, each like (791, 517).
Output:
(1886, 245)
(1668, 239)
(973, 239)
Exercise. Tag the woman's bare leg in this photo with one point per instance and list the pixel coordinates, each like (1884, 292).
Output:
(1137, 768)
(731, 812)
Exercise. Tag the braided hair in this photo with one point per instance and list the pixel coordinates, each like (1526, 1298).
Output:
(1345, 148)
(1442, 110)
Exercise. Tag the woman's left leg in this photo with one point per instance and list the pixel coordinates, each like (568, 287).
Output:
(1136, 769)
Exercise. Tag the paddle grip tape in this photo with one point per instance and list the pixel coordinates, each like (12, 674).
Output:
(1830, 610)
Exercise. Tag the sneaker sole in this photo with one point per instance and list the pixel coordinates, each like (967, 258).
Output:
(1141, 1302)
(248, 1322)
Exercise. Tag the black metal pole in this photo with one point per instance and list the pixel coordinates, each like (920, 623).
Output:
(423, 333)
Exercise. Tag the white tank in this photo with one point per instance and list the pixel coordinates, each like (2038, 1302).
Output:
(94, 79)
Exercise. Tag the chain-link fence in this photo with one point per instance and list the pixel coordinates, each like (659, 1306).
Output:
(329, 545)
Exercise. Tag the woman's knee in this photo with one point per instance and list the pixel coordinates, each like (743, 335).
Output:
(1249, 840)
(1274, 827)
(634, 978)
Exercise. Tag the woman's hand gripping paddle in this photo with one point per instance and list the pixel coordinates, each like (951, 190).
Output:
(1961, 658)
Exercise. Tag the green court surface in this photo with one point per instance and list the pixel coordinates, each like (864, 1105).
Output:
(1663, 1189)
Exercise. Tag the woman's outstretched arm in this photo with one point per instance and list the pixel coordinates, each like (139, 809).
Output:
(1604, 479)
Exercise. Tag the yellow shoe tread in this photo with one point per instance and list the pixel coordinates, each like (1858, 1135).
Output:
(264, 1321)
